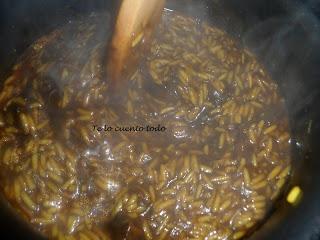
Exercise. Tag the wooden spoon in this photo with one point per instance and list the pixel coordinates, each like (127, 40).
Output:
(135, 23)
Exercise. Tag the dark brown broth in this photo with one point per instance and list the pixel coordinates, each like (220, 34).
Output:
(213, 173)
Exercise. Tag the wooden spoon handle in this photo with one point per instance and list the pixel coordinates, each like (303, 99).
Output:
(135, 22)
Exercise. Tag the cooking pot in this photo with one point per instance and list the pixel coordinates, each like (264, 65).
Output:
(284, 35)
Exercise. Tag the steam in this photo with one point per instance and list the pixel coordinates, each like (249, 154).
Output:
(285, 37)
(288, 46)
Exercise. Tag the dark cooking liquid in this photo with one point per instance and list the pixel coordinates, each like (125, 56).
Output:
(195, 147)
